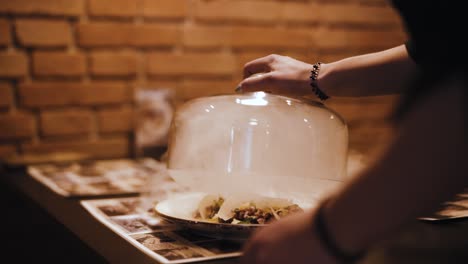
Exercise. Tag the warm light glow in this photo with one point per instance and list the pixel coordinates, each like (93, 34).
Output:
(258, 100)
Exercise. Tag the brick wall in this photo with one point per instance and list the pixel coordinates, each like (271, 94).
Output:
(68, 68)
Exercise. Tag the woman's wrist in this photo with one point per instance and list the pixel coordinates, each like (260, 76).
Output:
(323, 79)
(314, 75)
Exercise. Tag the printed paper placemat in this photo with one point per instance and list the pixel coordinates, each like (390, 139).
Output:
(455, 209)
(134, 220)
(99, 177)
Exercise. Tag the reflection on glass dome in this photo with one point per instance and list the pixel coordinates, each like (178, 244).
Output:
(258, 99)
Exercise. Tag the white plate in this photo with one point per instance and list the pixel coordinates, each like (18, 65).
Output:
(179, 210)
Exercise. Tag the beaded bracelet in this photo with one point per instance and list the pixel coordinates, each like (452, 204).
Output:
(313, 82)
(327, 240)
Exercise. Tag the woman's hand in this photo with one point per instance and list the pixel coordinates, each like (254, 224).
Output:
(290, 240)
(279, 74)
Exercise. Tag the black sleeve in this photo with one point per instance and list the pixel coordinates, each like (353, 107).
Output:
(412, 51)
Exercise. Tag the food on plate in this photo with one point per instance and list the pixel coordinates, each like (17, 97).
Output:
(235, 210)
(209, 206)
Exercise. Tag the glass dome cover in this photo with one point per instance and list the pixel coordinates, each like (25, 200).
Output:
(259, 143)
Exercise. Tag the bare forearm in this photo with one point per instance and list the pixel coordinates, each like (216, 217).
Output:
(379, 73)
(425, 166)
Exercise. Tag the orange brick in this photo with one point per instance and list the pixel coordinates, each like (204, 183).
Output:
(114, 8)
(104, 148)
(375, 2)
(115, 120)
(150, 35)
(17, 125)
(198, 88)
(43, 7)
(5, 35)
(7, 151)
(70, 93)
(159, 84)
(243, 36)
(207, 36)
(172, 86)
(176, 9)
(52, 63)
(358, 110)
(382, 99)
(331, 57)
(13, 64)
(331, 39)
(370, 135)
(361, 39)
(345, 13)
(113, 64)
(378, 39)
(67, 122)
(382, 15)
(104, 34)
(124, 34)
(240, 11)
(190, 64)
(297, 12)
(43, 33)
(6, 95)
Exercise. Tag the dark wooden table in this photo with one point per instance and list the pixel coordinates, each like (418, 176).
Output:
(40, 225)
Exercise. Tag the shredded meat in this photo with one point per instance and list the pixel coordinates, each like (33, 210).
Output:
(249, 214)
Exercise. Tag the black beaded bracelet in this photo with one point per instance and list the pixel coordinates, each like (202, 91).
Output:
(327, 240)
(313, 82)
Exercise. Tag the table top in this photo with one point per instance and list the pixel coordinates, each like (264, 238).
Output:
(73, 216)
(420, 242)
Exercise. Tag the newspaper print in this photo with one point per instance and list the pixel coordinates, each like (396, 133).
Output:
(134, 220)
(98, 178)
(455, 209)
